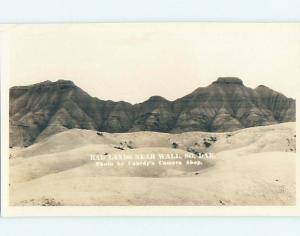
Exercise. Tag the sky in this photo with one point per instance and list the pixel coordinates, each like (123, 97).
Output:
(133, 61)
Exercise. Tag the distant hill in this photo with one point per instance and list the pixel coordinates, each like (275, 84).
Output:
(40, 110)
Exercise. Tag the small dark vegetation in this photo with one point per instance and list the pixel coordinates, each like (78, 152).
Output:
(195, 150)
(209, 141)
(212, 139)
(207, 144)
(51, 202)
(221, 202)
(130, 144)
(99, 133)
(175, 145)
(44, 201)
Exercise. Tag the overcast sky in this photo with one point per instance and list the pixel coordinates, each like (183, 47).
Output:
(132, 62)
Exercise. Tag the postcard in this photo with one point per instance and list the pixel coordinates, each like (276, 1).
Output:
(149, 119)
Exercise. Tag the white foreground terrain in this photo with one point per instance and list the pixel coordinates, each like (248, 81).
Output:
(253, 166)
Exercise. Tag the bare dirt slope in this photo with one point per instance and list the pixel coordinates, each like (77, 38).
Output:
(254, 166)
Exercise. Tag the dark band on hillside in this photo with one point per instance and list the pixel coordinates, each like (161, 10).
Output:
(40, 110)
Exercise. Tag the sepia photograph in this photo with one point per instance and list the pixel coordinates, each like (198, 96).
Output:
(149, 115)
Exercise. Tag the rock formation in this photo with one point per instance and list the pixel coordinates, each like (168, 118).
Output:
(40, 110)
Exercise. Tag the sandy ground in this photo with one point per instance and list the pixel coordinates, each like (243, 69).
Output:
(254, 166)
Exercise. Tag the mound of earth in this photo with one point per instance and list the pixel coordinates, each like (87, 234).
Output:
(254, 166)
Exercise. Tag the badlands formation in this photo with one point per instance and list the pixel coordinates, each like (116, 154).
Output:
(40, 110)
(251, 166)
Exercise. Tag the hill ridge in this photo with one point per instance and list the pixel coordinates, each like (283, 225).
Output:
(40, 110)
